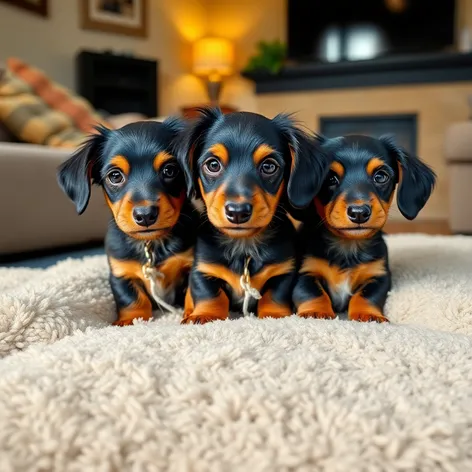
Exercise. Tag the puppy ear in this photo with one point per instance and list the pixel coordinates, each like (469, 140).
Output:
(309, 163)
(416, 179)
(175, 125)
(191, 145)
(76, 175)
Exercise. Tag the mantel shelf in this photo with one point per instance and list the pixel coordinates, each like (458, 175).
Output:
(401, 70)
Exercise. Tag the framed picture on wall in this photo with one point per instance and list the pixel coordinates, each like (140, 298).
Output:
(115, 16)
(39, 7)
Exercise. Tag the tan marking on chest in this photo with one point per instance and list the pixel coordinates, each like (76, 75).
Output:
(258, 280)
(173, 269)
(343, 280)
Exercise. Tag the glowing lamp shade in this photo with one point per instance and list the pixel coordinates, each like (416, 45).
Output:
(213, 57)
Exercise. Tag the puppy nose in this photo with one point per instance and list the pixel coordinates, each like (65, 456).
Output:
(145, 215)
(238, 213)
(359, 213)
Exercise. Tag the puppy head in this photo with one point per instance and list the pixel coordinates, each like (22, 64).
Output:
(242, 165)
(141, 179)
(356, 196)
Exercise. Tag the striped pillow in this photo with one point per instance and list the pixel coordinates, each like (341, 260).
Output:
(37, 110)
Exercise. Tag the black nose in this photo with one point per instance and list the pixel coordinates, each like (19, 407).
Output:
(238, 213)
(359, 213)
(145, 215)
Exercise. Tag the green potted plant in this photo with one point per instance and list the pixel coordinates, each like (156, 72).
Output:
(269, 58)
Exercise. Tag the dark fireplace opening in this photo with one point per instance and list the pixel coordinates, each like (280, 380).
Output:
(402, 127)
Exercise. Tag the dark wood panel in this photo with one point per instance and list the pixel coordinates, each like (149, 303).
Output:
(118, 84)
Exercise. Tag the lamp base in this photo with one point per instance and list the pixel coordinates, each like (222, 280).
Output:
(214, 91)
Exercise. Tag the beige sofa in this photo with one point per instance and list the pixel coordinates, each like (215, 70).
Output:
(34, 213)
(458, 154)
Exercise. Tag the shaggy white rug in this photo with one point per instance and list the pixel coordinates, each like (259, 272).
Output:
(258, 395)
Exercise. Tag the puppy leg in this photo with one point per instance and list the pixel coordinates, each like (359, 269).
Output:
(205, 300)
(367, 304)
(311, 300)
(276, 301)
(132, 302)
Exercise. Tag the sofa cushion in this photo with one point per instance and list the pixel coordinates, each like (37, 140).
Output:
(57, 97)
(39, 111)
(5, 134)
(458, 142)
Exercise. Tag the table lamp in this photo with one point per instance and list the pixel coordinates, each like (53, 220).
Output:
(213, 59)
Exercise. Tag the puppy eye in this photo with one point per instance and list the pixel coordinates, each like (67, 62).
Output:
(115, 177)
(269, 167)
(381, 177)
(170, 171)
(213, 167)
(332, 180)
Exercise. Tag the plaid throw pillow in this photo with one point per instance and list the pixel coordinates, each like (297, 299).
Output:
(39, 111)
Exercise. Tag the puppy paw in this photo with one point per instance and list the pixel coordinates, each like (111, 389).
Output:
(201, 318)
(123, 322)
(368, 317)
(274, 314)
(317, 314)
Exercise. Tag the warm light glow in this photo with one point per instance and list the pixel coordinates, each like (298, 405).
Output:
(396, 6)
(213, 57)
(188, 18)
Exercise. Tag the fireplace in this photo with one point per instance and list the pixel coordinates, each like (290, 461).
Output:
(403, 127)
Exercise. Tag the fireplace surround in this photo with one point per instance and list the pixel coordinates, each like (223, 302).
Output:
(402, 126)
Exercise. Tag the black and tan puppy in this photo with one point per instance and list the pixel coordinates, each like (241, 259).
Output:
(153, 224)
(246, 168)
(345, 260)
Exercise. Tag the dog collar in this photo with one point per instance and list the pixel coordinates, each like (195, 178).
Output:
(248, 289)
(152, 274)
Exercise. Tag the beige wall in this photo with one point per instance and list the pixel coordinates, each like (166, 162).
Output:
(51, 43)
(437, 105)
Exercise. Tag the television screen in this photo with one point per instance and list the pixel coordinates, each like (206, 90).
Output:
(338, 30)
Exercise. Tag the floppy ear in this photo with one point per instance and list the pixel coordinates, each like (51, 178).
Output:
(76, 175)
(309, 163)
(416, 179)
(176, 126)
(191, 145)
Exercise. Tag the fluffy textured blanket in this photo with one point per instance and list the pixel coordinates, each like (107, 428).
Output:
(259, 395)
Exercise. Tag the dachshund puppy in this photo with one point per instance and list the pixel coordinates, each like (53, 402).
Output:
(246, 169)
(345, 260)
(149, 243)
